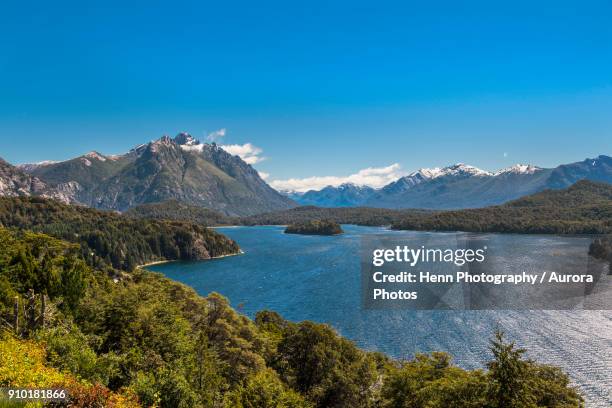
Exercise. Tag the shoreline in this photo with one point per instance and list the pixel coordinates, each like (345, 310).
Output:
(387, 227)
(151, 264)
(314, 234)
(240, 252)
(255, 225)
(577, 376)
(143, 266)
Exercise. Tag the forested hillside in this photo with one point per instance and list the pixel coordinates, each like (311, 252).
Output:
(177, 211)
(584, 208)
(174, 210)
(108, 239)
(148, 341)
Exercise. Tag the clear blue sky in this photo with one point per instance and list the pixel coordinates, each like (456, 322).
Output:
(324, 88)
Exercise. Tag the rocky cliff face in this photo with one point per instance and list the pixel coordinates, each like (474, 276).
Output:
(16, 183)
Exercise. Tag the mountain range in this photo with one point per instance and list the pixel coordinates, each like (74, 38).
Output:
(179, 168)
(184, 170)
(460, 186)
(345, 195)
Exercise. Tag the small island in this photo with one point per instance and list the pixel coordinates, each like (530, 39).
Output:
(315, 227)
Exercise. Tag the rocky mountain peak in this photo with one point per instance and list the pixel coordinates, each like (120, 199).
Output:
(518, 169)
(170, 168)
(463, 169)
(602, 159)
(348, 186)
(95, 155)
(457, 169)
(158, 145)
(185, 139)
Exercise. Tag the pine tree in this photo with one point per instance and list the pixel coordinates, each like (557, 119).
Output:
(509, 375)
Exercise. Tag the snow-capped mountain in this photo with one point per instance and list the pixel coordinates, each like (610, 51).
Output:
(459, 169)
(27, 167)
(518, 169)
(464, 186)
(422, 175)
(179, 168)
(409, 181)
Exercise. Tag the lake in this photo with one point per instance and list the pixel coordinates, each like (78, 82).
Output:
(318, 278)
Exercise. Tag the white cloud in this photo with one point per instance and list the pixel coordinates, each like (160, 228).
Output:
(263, 175)
(372, 176)
(216, 135)
(247, 152)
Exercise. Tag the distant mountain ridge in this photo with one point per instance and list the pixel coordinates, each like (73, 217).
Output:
(583, 208)
(179, 168)
(345, 195)
(14, 182)
(461, 186)
(204, 175)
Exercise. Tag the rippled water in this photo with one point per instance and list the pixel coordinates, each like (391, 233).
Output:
(318, 278)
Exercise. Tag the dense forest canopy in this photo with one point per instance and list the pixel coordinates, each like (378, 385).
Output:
(315, 227)
(174, 210)
(108, 239)
(148, 341)
(177, 211)
(345, 215)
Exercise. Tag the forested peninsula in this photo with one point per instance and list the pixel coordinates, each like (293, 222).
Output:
(108, 239)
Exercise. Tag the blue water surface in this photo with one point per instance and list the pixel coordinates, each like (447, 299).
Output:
(318, 278)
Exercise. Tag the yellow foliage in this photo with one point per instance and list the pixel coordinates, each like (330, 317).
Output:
(22, 364)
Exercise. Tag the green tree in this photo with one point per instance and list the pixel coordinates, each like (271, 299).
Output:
(430, 380)
(265, 390)
(509, 375)
(327, 368)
